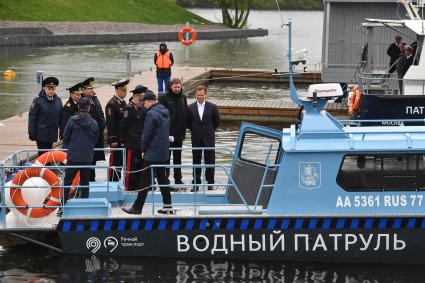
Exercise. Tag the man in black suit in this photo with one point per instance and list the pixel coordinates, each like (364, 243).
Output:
(394, 52)
(203, 119)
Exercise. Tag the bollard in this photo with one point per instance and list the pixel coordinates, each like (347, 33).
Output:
(128, 62)
(39, 80)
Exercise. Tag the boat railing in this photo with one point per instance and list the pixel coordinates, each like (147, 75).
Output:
(4, 185)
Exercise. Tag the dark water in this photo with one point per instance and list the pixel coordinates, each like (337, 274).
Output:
(38, 265)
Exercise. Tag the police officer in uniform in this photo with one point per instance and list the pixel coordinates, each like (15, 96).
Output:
(131, 129)
(71, 106)
(45, 115)
(97, 114)
(114, 114)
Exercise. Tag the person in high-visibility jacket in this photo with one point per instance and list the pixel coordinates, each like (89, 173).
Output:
(163, 60)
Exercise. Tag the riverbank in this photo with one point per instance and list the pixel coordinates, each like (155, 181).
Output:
(305, 5)
(30, 33)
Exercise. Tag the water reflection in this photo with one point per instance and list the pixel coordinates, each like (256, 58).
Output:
(108, 269)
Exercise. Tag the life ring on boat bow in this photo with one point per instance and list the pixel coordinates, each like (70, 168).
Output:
(354, 103)
(192, 35)
(55, 157)
(54, 197)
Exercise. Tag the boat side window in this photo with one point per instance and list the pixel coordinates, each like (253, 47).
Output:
(382, 172)
(255, 149)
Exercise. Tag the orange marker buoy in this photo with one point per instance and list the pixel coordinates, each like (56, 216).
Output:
(9, 75)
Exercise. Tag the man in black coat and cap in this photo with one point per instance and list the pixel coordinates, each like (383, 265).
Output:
(131, 129)
(71, 106)
(79, 139)
(114, 114)
(403, 64)
(394, 52)
(96, 112)
(45, 115)
(155, 147)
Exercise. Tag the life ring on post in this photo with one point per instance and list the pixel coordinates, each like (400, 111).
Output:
(54, 197)
(57, 156)
(185, 30)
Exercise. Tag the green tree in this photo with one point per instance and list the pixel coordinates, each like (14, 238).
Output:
(235, 12)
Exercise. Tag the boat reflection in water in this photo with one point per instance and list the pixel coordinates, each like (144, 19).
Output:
(119, 269)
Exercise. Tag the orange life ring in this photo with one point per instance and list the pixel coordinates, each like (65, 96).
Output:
(354, 103)
(192, 37)
(54, 197)
(57, 156)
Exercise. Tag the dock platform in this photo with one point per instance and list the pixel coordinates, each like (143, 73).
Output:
(14, 130)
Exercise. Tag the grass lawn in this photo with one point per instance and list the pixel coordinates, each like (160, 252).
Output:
(133, 11)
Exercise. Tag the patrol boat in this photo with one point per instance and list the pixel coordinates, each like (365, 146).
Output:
(323, 191)
(378, 95)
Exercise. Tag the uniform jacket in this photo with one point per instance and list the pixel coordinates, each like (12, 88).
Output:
(44, 118)
(177, 107)
(393, 51)
(131, 127)
(203, 132)
(97, 114)
(114, 113)
(69, 110)
(403, 64)
(79, 137)
(155, 143)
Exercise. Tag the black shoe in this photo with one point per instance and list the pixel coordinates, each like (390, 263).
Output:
(179, 182)
(195, 189)
(59, 213)
(210, 188)
(167, 211)
(132, 210)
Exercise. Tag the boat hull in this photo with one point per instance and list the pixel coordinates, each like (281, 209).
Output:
(290, 239)
(392, 107)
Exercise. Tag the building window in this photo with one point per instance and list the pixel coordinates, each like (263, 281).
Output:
(382, 172)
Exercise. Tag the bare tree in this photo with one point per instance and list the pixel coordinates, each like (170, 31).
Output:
(235, 12)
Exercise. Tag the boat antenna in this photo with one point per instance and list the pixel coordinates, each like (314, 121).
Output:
(280, 14)
(292, 89)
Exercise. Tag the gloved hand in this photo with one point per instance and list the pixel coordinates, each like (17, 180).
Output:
(171, 139)
(33, 138)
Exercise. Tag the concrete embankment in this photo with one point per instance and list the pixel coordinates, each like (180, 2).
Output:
(14, 34)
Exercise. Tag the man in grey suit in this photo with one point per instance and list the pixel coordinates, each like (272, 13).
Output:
(203, 119)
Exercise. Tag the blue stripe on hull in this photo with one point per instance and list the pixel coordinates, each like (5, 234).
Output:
(240, 224)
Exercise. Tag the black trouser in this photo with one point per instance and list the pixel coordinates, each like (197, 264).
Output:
(177, 160)
(43, 145)
(84, 178)
(115, 159)
(92, 177)
(209, 158)
(134, 163)
(146, 184)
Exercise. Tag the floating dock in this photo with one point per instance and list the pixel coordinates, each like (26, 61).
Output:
(14, 130)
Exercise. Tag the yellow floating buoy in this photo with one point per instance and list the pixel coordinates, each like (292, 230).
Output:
(9, 74)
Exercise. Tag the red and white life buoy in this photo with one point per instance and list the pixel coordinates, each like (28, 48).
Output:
(54, 198)
(56, 157)
(182, 33)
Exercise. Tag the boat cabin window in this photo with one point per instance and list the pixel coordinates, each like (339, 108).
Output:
(256, 147)
(382, 172)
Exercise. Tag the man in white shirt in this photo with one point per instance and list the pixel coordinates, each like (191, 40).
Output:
(202, 120)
